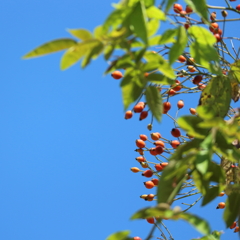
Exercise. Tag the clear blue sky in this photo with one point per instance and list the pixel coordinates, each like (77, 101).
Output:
(65, 148)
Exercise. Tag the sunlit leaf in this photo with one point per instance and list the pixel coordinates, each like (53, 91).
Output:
(123, 235)
(108, 50)
(233, 78)
(232, 209)
(81, 34)
(159, 79)
(154, 101)
(211, 194)
(217, 96)
(200, 224)
(137, 21)
(179, 46)
(75, 53)
(169, 5)
(51, 47)
(154, 12)
(168, 36)
(200, 7)
(152, 27)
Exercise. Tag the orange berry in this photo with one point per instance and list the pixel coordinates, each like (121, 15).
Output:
(180, 104)
(140, 151)
(153, 151)
(137, 238)
(221, 194)
(182, 59)
(233, 225)
(171, 92)
(159, 149)
(238, 7)
(190, 61)
(221, 205)
(193, 111)
(175, 143)
(159, 143)
(150, 220)
(139, 107)
(144, 164)
(166, 106)
(144, 196)
(140, 143)
(197, 79)
(213, 16)
(177, 86)
(191, 69)
(183, 13)
(158, 167)
(140, 159)
(128, 114)
(150, 197)
(218, 37)
(147, 173)
(188, 9)
(143, 137)
(149, 184)
(177, 8)
(176, 132)
(237, 228)
(155, 181)
(135, 169)
(155, 136)
(213, 26)
(164, 164)
(146, 74)
(116, 74)
(143, 115)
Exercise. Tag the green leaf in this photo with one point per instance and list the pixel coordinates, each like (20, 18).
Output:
(200, 7)
(152, 27)
(232, 209)
(51, 47)
(92, 54)
(75, 53)
(201, 183)
(169, 5)
(123, 235)
(154, 101)
(211, 194)
(234, 78)
(81, 34)
(168, 187)
(190, 125)
(108, 50)
(159, 79)
(156, 13)
(154, 40)
(179, 46)
(137, 21)
(216, 174)
(130, 89)
(200, 224)
(204, 155)
(206, 56)
(168, 36)
(148, 3)
(235, 70)
(217, 96)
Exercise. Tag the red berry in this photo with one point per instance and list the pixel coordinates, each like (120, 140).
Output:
(158, 167)
(140, 143)
(176, 132)
(128, 114)
(164, 164)
(187, 26)
(197, 79)
(171, 92)
(236, 228)
(178, 86)
(150, 220)
(238, 7)
(143, 115)
(155, 181)
(213, 27)
(153, 151)
(201, 86)
(213, 16)
(218, 37)
(177, 8)
(137, 238)
(233, 225)
(166, 106)
(147, 173)
(188, 9)
(139, 107)
(117, 75)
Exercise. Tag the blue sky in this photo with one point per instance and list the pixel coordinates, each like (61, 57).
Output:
(65, 147)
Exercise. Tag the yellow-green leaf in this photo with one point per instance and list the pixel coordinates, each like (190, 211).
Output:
(81, 34)
(51, 47)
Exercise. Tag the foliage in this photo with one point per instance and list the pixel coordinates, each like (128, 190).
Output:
(207, 159)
